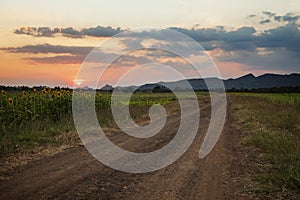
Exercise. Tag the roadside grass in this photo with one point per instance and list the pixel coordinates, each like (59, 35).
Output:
(272, 122)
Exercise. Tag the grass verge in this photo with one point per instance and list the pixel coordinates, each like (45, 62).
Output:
(272, 124)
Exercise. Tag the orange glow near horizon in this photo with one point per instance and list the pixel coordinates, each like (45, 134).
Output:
(15, 71)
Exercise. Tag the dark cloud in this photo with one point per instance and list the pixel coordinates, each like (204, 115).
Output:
(202, 34)
(36, 31)
(244, 38)
(287, 37)
(241, 34)
(209, 38)
(70, 32)
(239, 45)
(289, 17)
(99, 31)
(211, 45)
(274, 59)
(66, 54)
(265, 21)
(48, 48)
(280, 46)
(78, 59)
(275, 48)
(218, 37)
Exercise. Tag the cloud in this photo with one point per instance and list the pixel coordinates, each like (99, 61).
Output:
(275, 48)
(244, 38)
(158, 53)
(69, 32)
(131, 61)
(287, 37)
(289, 17)
(65, 54)
(265, 21)
(65, 59)
(241, 34)
(281, 44)
(247, 38)
(48, 48)
(73, 55)
(276, 59)
(99, 31)
(212, 38)
(269, 14)
(36, 31)
(130, 43)
(202, 34)
(209, 38)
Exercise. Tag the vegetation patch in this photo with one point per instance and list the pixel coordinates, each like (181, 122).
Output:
(272, 123)
(35, 117)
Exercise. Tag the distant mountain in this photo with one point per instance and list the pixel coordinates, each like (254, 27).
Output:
(248, 81)
(107, 88)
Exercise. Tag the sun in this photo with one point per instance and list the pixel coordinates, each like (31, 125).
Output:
(77, 82)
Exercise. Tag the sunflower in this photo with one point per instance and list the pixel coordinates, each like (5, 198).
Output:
(24, 93)
(34, 91)
(3, 93)
(45, 91)
(58, 94)
(10, 101)
(87, 94)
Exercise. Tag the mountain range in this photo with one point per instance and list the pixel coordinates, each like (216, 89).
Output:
(248, 81)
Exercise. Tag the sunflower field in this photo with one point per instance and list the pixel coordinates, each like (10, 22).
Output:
(33, 117)
(40, 116)
(25, 114)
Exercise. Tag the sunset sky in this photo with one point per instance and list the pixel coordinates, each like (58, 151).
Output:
(45, 42)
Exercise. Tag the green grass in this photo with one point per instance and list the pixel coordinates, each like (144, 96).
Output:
(272, 122)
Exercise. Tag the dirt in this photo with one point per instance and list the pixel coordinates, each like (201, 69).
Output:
(74, 174)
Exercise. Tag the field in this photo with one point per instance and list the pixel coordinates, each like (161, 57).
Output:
(35, 117)
(258, 155)
(271, 123)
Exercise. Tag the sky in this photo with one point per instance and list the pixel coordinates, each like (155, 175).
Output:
(47, 42)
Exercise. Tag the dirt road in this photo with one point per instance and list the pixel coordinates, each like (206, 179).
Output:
(75, 174)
